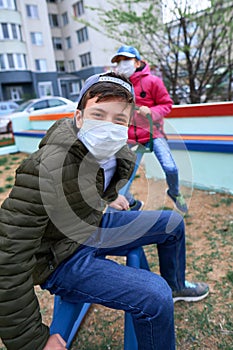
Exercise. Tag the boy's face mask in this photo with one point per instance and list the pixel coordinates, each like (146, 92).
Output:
(102, 138)
(126, 67)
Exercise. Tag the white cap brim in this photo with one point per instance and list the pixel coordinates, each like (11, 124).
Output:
(126, 54)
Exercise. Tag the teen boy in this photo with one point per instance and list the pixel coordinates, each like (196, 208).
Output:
(54, 229)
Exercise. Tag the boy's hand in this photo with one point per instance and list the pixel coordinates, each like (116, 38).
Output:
(143, 110)
(120, 203)
(55, 342)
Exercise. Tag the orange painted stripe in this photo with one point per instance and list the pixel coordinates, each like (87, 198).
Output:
(201, 137)
(51, 116)
(34, 131)
(183, 111)
(202, 110)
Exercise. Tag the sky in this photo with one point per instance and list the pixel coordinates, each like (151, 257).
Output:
(169, 8)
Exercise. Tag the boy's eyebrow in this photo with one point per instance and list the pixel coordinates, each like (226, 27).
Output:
(93, 108)
(96, 109)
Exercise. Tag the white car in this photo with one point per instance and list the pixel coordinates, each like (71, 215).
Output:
(44, 105)
(7, 107)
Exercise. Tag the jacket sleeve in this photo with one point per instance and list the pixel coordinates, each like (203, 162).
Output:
(163, 101)
(22, 222)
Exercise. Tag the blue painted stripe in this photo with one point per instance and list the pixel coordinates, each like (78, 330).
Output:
(202, 146)
(220, 146)
(30, 134)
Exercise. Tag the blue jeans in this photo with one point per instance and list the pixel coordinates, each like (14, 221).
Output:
(163, 153)
(87, 277)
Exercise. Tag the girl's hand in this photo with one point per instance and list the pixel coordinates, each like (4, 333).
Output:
(143, 110)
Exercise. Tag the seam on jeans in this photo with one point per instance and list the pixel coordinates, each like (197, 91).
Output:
(110, 301)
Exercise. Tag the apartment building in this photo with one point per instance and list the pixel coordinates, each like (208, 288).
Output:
(46, 50)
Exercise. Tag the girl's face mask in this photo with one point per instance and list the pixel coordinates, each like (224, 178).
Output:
(126, 67)
(103, 139)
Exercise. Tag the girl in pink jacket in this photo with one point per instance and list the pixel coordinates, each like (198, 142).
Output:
(151, 98)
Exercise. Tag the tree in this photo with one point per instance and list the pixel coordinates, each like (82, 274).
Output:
(192, 48)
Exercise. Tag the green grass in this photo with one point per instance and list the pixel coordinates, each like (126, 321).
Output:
(9, 186)
(9, 178)
(3, 160)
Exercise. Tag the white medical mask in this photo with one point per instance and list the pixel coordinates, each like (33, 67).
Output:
(126, 67)
(103, 139)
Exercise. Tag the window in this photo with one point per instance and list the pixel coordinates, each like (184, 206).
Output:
(10, 60)
(57, 43)
(53, 20)
(10, 31)
(75, 88)
(78, 8)
(2, 62)
(60, 66)
(16, 93)
(82, 35)
(37, 38)
(32, 11)
(14, 31)
(45, 88)
(53, 102)
(65, 19)
(71, 65)
(3, 107)
(13, 61)
(68, 42)
(19, 61)
(41, 65)
(85, 59)
(5, 31)
(40, 105)
(7, 4)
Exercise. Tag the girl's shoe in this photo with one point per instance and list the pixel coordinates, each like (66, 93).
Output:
(179, 201)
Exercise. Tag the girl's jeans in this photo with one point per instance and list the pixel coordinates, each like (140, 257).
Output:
(87, 277)
(164, 156)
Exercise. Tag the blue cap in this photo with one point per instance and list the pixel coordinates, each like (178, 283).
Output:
(127, 51)
(103, 77)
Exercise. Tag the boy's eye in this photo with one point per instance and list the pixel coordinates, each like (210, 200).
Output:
(121, 120)
(97, 114)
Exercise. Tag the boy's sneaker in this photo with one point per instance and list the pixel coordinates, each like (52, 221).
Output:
(192, 292)
(137, 205)
(179, 202)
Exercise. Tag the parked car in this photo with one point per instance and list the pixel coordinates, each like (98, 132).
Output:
(7, 107)
(44, 105)
(5, 125)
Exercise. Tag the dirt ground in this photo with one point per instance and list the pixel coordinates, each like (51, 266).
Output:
(209, 212)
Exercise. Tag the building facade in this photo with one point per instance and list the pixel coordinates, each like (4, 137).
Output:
(46, 50)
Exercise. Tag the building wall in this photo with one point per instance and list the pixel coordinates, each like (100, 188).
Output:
(17, 82)
(34, 25)
(63, 67)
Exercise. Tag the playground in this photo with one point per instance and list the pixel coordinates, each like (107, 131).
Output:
(207, 325)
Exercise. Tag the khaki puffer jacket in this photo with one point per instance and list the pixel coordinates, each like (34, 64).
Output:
(56, 203)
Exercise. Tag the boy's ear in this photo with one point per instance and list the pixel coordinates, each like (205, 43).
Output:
(78, 118)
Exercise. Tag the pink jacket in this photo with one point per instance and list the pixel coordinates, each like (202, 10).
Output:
(156, 98)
